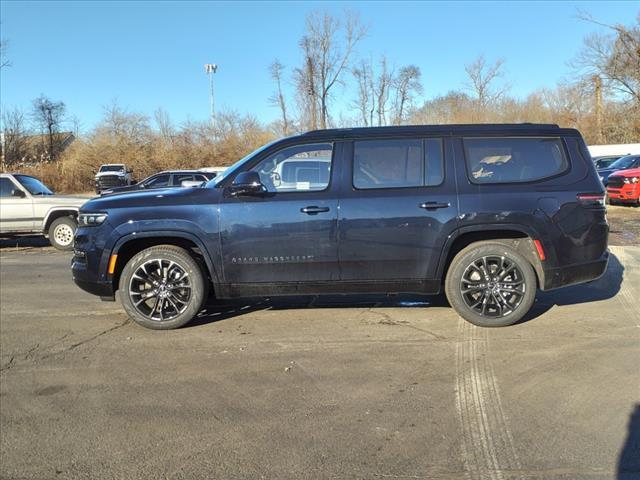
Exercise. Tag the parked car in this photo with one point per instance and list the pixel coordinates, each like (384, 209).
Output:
(623, 163)
(27, 206)
(169, 178)
(624, 187)
(487, 212)
(113, 175)
(604, 162)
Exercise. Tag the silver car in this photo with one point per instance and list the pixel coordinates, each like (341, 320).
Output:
(28, 206)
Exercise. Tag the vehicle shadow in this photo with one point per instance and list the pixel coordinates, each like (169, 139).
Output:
(24, 242)
(628, 467)
(602, 289)
(215, 311)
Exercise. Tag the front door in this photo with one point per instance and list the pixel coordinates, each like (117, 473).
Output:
(398, 207)
(289, 233)
(16, 212)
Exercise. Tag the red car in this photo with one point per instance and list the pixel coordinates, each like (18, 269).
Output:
(624, 186)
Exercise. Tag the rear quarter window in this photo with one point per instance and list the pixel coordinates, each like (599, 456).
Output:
(514, 160)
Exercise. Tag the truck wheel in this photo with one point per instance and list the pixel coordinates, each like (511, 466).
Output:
(490, 284)
(163, 287)
(61, 233)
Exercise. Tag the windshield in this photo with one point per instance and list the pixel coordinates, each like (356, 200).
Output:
(111, 168)
(35, 186)
(623, 163)
(221, 176)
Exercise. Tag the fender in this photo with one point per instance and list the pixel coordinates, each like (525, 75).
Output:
(163, 234)
(525, 229)
(45, 221)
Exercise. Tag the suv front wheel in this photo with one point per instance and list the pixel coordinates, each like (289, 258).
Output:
(163, 287)
(490, 284)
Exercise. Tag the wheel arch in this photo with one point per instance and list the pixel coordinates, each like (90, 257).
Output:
(131, 244)
(56, 212)
(519, 237)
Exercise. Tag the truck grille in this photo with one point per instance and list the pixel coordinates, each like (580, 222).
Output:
(107, 181)
(615, 182)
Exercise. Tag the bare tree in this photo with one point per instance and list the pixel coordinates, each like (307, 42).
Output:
(482, 81)
(615, 57)
(165, 125)
(4, 61)
(384, 82)
(327, 57)
(276, 70)
(15, 148)
(407, 85)
(365, 103)
(49, 116)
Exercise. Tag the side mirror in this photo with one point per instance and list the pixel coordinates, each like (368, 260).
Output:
(191, 183)
(134, 182)
(247, 183)
(18, 193)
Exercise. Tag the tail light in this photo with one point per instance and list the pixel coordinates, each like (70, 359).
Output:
(591, 199)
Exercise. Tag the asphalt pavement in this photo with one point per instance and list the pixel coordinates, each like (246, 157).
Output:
(328, 387)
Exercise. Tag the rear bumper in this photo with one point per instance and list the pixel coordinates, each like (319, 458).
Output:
(575, 274)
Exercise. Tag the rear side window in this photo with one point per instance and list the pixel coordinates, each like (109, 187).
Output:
(513, 160)
(6, 186)
(397, 163)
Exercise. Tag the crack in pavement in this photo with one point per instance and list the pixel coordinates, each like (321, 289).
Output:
(29, 354)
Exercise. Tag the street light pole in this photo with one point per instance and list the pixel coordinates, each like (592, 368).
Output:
(210, 69)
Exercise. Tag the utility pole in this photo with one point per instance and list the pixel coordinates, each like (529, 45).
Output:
(598, 92)
(210, 69)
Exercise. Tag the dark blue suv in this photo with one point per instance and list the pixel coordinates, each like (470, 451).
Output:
(487, 213)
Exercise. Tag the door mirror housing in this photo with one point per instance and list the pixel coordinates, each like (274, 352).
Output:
(16, 192)
(247, 183)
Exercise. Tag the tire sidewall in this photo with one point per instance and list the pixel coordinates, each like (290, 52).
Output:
(199, 286)
(71, 223)
(460, 264)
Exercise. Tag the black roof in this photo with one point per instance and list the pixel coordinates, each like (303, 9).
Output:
(452, 129)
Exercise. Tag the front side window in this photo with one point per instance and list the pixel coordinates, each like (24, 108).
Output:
(397, 163)
(302, 168)
(513, 160)
(6, 187)
(158, 182)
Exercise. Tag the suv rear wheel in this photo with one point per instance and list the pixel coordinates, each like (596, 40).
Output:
(163, 287)
(61, 233)
(490, 284)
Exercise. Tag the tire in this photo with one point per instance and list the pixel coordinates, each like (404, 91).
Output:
(466, 284)
(156, 270)
(61, 233)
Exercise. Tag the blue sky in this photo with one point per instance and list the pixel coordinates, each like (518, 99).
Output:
(151, 54)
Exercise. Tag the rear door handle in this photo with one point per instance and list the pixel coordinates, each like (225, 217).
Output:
(313, 210)
(434, 205)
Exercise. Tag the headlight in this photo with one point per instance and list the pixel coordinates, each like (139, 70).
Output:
(91, 219)
(631, 179)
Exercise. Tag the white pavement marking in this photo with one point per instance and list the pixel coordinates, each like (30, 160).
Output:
(630, 287)
(487, 444)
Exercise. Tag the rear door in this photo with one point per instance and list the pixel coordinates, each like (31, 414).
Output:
(16, 213)
(398, 207)
(289, 234)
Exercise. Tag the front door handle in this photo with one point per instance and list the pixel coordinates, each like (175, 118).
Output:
(313, 210)
(434, 205)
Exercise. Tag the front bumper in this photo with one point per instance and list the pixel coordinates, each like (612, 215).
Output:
(576, 273)
(88, 280)
(627, 193)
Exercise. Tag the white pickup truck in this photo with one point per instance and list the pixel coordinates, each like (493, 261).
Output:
(28, 206)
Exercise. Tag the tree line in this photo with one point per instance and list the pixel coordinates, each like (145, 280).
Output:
(602, 100)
